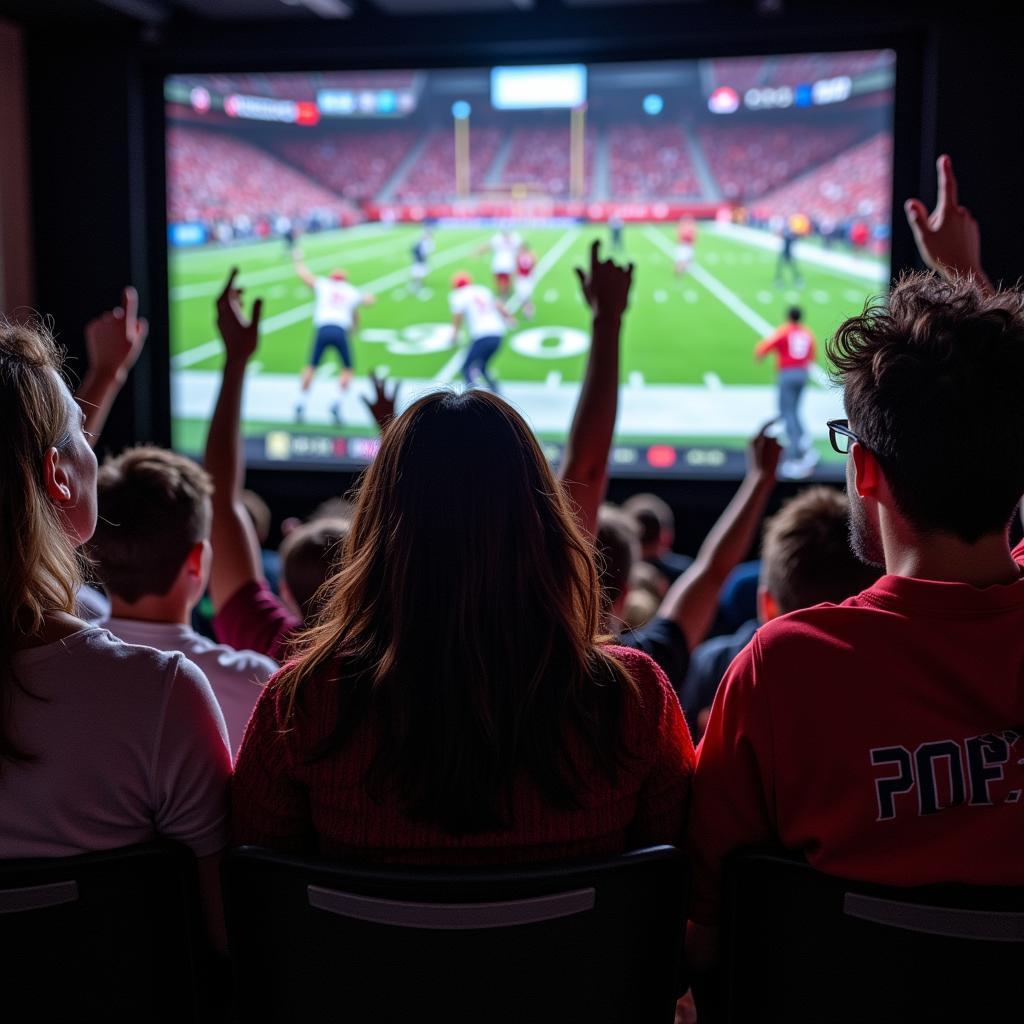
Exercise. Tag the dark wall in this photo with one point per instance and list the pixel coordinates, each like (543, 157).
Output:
(90, 184)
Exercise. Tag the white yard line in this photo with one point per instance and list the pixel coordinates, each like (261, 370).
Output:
(546, 262)
(192, 291)
(820, 376)
(841, 263)
(636, 379)
(728, 298)
(554, 379)
(713, 381)
(297, 313)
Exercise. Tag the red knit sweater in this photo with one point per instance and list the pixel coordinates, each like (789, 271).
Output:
(322, 807)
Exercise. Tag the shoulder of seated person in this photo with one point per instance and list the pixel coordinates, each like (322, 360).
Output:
(818, 623)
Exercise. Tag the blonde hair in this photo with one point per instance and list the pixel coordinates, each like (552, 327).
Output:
(40, 570)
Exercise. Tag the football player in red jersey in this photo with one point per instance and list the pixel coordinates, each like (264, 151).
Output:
(687, 239)
(525, 263)
(794, 347)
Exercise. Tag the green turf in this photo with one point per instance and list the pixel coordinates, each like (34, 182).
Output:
(676, 331)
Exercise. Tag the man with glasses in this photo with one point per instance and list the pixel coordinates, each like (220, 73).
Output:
(883, 737)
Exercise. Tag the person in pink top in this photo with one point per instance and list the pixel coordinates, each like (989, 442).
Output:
(793, 346)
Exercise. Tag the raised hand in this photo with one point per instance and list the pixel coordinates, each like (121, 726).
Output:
(240, 335)
(948, 239)
(606, 285)
(383, 405)
(115, 338)
(763, 453)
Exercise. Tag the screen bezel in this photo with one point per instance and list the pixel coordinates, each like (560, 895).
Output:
(913, 119)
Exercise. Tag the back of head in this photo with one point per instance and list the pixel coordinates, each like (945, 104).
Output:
(806, 558)
(39, 568)
(154, 508)
(464, 618)
(932, 387)
(795, 314)
(310, 555)
(654, 517)
(618, 548)
(259, 513)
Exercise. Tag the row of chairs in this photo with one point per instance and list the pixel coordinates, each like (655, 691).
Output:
(117, 936)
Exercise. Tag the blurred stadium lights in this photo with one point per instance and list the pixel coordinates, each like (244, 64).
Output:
(653, 104)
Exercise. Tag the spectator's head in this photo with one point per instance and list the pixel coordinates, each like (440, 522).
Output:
(795, 314)
(152, 541)
(806, 557)
(466, 616)
(259, 513)
(618, 548)
(656, 522)
(47, 495)
(645, 576)
(932, 390)
(310, 555)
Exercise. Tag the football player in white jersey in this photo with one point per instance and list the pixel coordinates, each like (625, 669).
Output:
(504, 247)
(486, 321)
(335, 317)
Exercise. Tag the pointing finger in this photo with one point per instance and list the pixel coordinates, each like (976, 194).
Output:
(947, 183)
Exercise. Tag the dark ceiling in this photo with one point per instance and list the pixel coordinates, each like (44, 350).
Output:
(157, 12)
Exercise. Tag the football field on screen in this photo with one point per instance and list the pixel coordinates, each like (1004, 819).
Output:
(687, 370)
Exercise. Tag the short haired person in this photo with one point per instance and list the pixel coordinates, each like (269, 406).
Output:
(796, 750)
(805, 560)
(152, 552)
(455, 703)
(688, 608)
(793, 346)
(486, 320)
(305, 553)
(335, 318)
(102, 744)
(657, 525)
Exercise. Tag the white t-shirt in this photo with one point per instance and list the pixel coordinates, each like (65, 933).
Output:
(478, 306)
(504, 248)
(129, 744)
(237, 677)
(336, 302)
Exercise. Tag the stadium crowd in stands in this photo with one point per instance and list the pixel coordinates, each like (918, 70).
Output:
(457, 683)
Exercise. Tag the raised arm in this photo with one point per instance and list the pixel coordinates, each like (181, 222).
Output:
(584, 472)
(948, 239)
(305, 274)
(236, 550)
(113, 342)
(692, 600)
(382, 408)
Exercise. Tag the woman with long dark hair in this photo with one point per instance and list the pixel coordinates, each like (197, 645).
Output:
(456, 703)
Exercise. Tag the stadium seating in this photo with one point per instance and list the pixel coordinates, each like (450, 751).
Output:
(749, 159)
(650, 162)
(596, 942)
(212, 177)
(113, 936)
(433, 176)
(801, 946)
(852, 185)
(353, 165)
(539, 158)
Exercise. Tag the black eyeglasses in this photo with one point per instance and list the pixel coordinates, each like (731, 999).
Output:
(840, 435)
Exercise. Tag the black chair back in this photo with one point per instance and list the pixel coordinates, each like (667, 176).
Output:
(597, 942)
(801, 946)
(106, 936)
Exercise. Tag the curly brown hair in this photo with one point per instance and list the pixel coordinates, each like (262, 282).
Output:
(932, 386)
